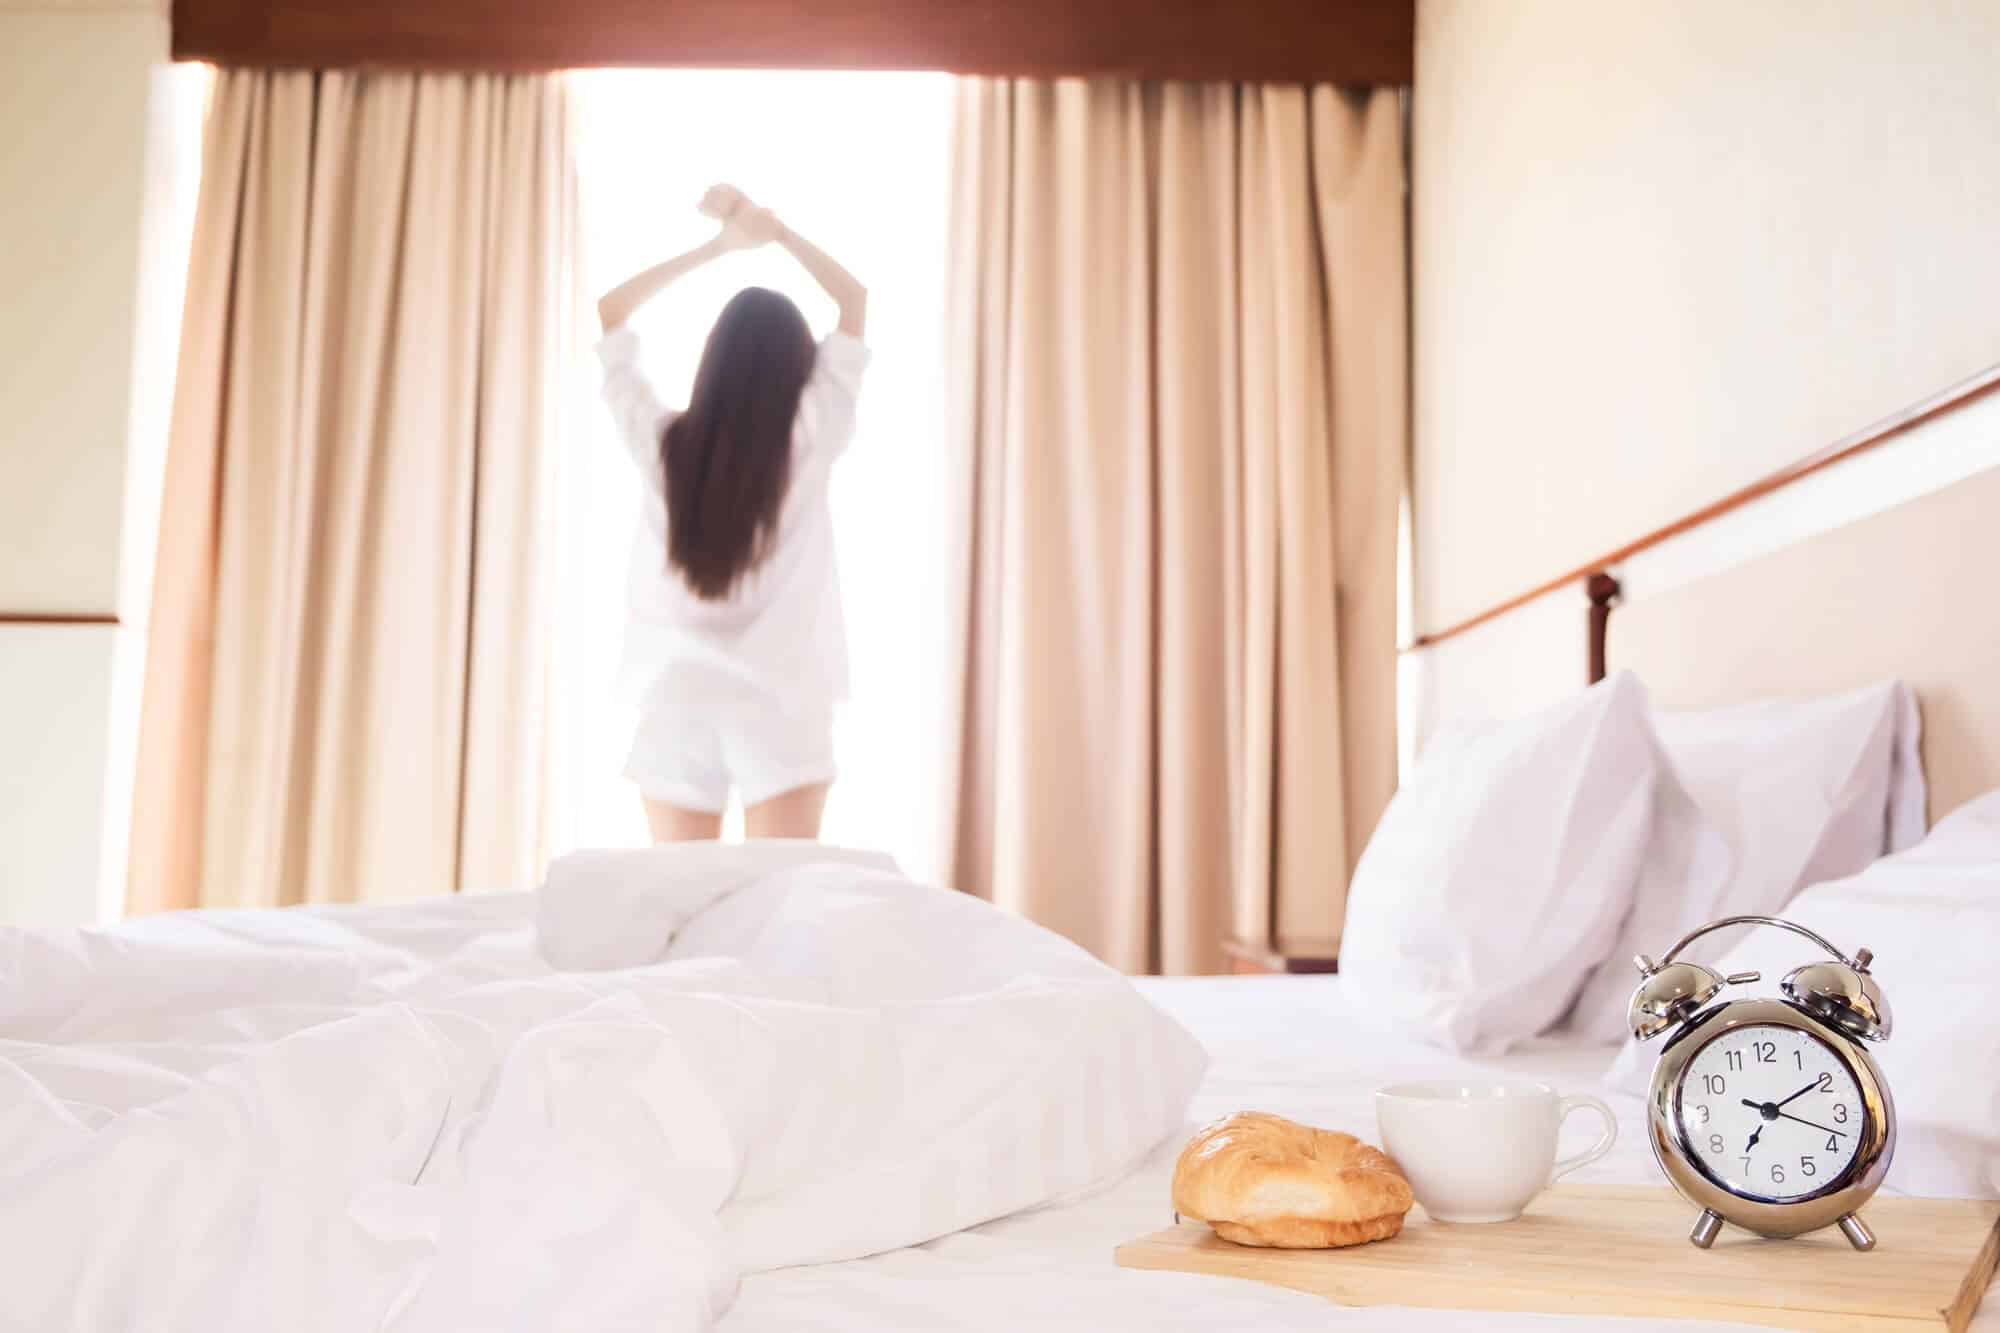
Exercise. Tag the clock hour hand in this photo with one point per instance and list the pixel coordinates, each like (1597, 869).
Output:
(1757, 1133)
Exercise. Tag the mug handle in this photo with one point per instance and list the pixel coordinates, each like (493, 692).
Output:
(1595, 1150)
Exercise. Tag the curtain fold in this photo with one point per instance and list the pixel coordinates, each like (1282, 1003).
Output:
(1178, 388)
(347, 673)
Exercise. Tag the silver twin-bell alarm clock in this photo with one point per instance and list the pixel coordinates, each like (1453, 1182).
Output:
(1768, 1113)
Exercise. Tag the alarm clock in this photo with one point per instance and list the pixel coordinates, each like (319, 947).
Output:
(1768, 1114)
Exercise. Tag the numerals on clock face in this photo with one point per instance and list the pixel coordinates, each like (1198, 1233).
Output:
(1770, 1111)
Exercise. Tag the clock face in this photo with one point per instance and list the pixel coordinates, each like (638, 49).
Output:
(1770, 1112)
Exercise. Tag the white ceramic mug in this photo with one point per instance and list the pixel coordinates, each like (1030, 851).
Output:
(1479, 1152)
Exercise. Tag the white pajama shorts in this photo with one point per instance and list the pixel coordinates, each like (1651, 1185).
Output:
(704, 730)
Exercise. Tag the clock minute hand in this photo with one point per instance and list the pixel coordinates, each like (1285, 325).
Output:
(1800, 1093)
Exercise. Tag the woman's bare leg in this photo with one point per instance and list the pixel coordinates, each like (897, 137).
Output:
(671, 823)
(792, 814)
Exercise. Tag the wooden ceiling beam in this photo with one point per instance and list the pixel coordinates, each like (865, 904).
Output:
(1339, 41)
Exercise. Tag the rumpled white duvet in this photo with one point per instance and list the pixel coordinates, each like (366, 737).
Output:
(408, 1118)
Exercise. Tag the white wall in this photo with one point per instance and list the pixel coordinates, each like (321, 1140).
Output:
(1661, 249)
(55, 743)
(95, 173)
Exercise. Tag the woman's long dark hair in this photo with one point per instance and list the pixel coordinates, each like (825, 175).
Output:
(728, 458)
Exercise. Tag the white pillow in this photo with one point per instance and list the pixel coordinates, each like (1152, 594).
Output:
(1500, 871)
(1759, 801)
(1932, 917)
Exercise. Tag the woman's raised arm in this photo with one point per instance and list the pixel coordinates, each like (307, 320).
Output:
(739, 232)
(845, 289)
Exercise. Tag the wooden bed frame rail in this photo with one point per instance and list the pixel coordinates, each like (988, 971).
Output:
(56, 618)
(1601, 586)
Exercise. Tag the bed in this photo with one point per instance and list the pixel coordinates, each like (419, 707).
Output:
(130, 1023)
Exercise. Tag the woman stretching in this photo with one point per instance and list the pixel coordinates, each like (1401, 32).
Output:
(736, 625)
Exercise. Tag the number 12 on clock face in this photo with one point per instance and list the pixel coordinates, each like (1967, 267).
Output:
(1771, 1112)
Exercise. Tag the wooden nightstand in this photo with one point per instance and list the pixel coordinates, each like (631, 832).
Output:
(1260, 959)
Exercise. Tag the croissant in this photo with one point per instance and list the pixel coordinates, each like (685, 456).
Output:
(1263, 1180)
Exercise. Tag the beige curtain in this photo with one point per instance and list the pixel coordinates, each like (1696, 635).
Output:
(346, 687)
(1179, 382)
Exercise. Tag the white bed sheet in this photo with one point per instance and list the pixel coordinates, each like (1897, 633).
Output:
(400, 1117)
(1283, 1044)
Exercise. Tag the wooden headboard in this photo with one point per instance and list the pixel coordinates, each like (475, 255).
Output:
(1904, 592)
(1908, 593)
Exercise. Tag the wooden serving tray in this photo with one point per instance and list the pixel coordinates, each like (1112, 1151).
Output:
(1623, 1250)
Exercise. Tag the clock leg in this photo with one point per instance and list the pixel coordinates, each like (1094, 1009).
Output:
(1857, 1232)
(1709, 1223)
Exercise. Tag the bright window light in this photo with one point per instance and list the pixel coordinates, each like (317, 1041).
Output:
(858, 163)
